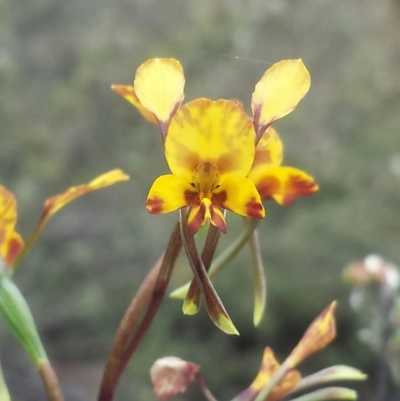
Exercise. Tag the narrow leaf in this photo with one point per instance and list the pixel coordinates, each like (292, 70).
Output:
(329, 394)
(260, 285)
(16, 314)
(328, 375)
(4, 394)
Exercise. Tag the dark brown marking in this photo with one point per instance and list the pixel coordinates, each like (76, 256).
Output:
(254, 209)
(155, 205)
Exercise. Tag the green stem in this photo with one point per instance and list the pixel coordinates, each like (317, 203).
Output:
(226, 256)
(275, 379)
(260, 287)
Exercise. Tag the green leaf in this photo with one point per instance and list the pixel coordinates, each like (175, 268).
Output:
(4, 394)
(15, 312)
(329, 394)
(333, 373)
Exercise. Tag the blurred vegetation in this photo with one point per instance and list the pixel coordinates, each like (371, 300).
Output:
(61, 125)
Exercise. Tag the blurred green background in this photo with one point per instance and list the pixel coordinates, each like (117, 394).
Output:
(62, 125)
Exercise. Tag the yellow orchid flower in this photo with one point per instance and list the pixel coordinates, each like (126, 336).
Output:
(158, 94)
(210, 150)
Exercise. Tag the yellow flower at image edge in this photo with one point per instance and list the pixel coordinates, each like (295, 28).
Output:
(210, 151)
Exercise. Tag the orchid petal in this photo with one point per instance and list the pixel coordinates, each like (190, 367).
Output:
(13, 246)
(278, 92)
(55, 203)
(202, 211)
(128, 93)
(205, 131)
(319, 334)
(169, 193)
(269, 152)
(159, 84)
(284, 184)
(268, 368)
(239, 195)
(11, 242)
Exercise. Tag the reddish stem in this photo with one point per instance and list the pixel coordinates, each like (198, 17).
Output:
(50, 380)
(131, 329)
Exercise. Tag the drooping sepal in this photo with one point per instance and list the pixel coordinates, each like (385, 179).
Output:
(214, 305)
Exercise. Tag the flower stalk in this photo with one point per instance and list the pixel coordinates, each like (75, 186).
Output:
(50, 380)
(139, 316)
